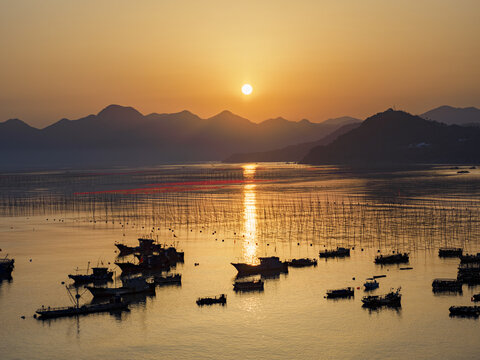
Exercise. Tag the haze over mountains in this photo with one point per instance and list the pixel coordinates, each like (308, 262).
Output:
(120, 135)
(454, 116)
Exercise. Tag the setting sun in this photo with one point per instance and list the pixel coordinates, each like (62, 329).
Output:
(247, 89)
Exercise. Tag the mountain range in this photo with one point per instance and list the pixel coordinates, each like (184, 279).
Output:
(120, 135)
(454, 116)
(397, 137)
(291, 153)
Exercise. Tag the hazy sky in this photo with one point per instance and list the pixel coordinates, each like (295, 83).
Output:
(305, 59)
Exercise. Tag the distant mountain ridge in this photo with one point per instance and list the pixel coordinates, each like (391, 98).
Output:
(120, 135)
(453, 116)
(291, 153)
(397, 137)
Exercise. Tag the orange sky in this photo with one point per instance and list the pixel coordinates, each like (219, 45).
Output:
(304, 59)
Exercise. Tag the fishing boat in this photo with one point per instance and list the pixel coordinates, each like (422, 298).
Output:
(392, 299)
(452, 285)
(130, 286)
(169, 279)
(450, 252)
(468, 311)
(114, 305)
(302, 262)
(145, 246)
(392, 259)
(470, 259)
(267, 265)
(6, 267)
(254, 285)
(371, 284)
(146, 263)
(99, 274)
(338, 252)
(469, 273)
(222, 299)
(340, 293)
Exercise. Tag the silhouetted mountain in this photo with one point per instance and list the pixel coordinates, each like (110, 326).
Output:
(398, 137)
(453, 116)
(120, 135)
(290, 153)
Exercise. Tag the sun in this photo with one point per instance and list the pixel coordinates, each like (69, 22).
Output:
(247, 89)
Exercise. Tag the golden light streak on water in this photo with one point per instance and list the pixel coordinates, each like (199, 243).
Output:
(250, 247)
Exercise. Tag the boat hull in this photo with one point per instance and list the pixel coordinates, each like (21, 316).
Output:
(47, 313)
(112, 292)
(261, 268)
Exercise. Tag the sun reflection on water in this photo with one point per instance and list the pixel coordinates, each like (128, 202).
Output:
(250, 247)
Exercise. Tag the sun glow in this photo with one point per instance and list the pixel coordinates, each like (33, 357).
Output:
(247, 89)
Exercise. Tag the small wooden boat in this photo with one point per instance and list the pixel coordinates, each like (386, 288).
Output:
(6, 267)
(222, 299)
(254, 285)
(450, 252)
(338, 252)
(371, 284)
(392, 299)
(469, 273)
(467, 311)
(392, 259)
(470, 259)
(169, 279)
(340, 293)
(451, 285)
(302, 262)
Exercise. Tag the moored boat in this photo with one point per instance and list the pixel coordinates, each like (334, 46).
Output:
(99, 274)
(468, 311)
(338, 252)
(392, 259)
(115, 305)
(267, 265)
(371, 284)
(302, 262)
(469, 273)
(450, 252)
(452, 285)
(145, 246)
(254, 285)
(146, 263)
(392, 299)
(6, 267)
(130, 286)
(340, 293)
(222, 299)
(169, 279)
(470, 259)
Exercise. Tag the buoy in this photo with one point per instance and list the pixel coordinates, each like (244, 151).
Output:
(23, 316)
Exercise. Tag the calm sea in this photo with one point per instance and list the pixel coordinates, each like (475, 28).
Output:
(54, 223)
